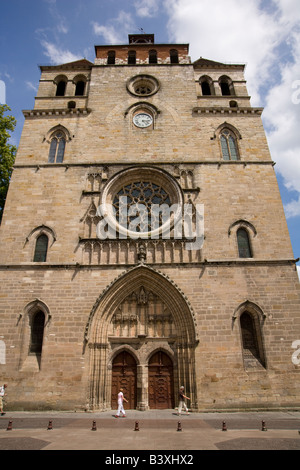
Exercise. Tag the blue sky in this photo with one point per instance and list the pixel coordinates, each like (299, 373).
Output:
(263, 34)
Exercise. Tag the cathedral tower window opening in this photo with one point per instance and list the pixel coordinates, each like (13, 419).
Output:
(207, 86)
(57, 148)
(229, 145)
(252, 347)
(80, 82)
(174, 56)
(61, 85)
(41, 249)
(80, 87)
(243, 243)
(226, 86)
(37, 333)
(111, 58)
(71, 104)
(131, 57)
(153, 57)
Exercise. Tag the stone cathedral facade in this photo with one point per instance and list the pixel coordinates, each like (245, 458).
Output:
(98, 290)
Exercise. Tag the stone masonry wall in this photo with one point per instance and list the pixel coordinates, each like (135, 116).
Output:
(215, 292)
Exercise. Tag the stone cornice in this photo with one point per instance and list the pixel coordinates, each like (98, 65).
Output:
(233, 262)
(40, 113)
(236, 111)
(124, 164)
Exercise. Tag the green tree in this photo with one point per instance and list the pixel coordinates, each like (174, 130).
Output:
(7, 153)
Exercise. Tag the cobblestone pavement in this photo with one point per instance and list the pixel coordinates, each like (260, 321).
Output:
(150, 431)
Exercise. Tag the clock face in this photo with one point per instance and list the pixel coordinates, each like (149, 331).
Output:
(142, 120)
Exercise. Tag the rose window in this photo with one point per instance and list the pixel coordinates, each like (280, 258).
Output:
(143, 199)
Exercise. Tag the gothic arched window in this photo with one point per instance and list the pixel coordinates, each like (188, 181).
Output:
(61, 88)
(41, 249)
(37, 333)
(243, 243)
(226, 86)
(229, 145)
(80, 87)
(206, 85)
(57, 148)
(205, 88)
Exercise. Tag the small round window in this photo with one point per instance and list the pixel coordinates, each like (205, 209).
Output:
(142, 85)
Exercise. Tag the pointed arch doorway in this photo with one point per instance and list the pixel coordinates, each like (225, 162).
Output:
(161, 381)
(124, 375)
(142, 312)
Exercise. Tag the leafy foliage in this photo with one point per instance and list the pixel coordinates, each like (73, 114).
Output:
(7, 153)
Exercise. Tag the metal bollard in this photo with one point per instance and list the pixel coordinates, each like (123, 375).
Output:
(263, 426)
(179, 427)
(94, 427)
(224, 427)
(136, 427)
(49, 426)
(9, 426)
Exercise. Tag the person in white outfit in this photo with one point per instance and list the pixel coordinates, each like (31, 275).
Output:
(2, 394)
(121, 398)
(182, 402)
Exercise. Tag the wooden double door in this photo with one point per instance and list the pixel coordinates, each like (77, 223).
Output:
(160, 380)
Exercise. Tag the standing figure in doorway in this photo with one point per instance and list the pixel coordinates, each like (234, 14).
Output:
(121, 399)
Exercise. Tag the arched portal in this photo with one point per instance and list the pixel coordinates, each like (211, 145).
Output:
(141, 312)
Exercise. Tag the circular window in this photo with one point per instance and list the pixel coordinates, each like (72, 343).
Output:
(142, 203)
(142, 85)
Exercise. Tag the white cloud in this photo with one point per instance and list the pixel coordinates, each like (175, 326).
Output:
(231, 31)
(31, 86)
(268, 41)
(292, 209)
(298, 269)
(109, 33)
(57, 55)
(147, 8)
(59, 19)
(116, 31)
(282, 116)
(289, 9)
